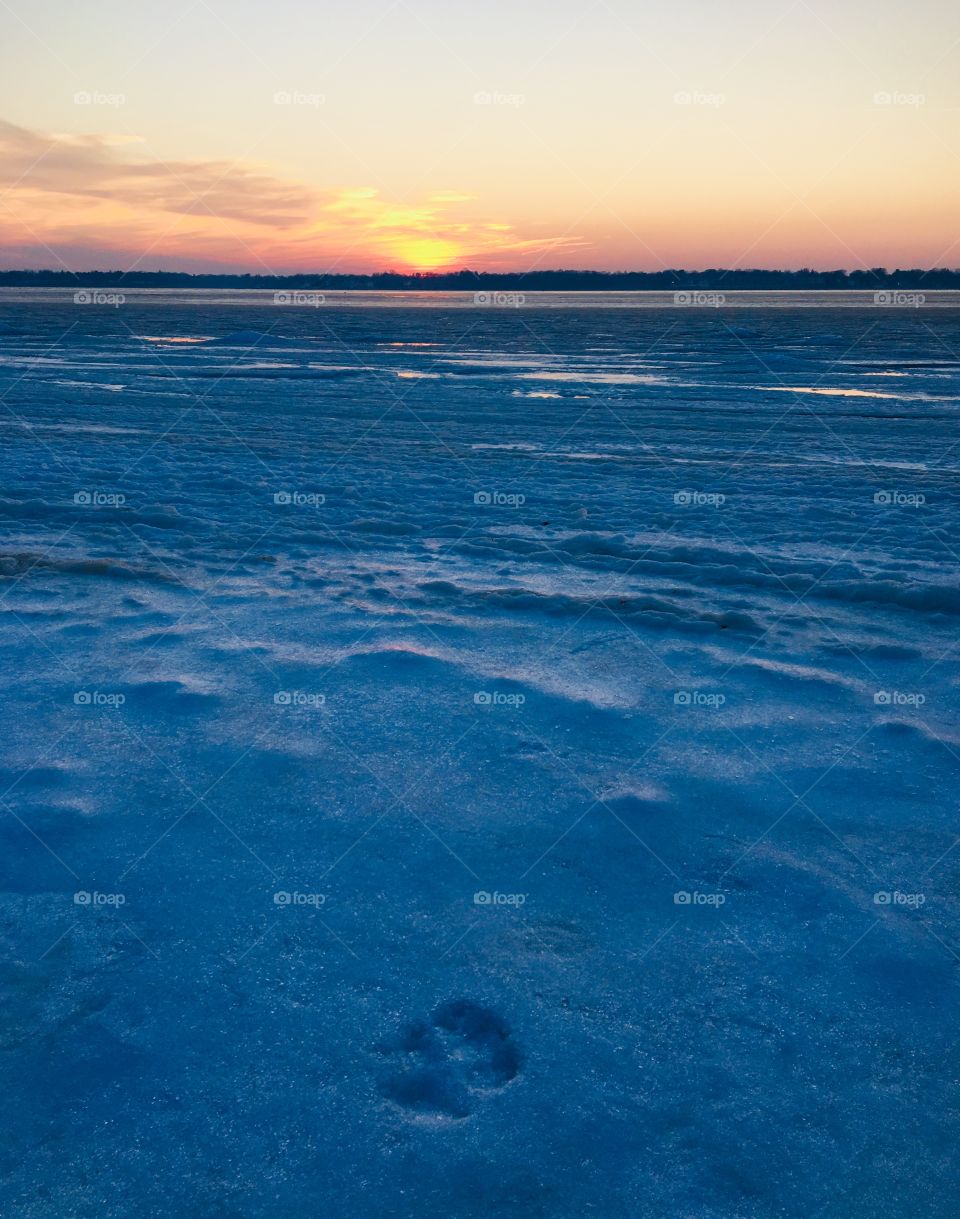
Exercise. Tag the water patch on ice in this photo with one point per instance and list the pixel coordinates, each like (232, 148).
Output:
(174, 339)
(240, 338)
(596, 378)
(825, 391)
(520, 446)
(112, 388)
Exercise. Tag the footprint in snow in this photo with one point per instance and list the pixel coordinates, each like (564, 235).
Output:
(442, 1066)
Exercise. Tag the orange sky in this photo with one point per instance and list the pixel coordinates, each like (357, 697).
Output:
(419, 136)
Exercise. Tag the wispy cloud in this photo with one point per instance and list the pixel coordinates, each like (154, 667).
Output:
(80, 196)
(102, 167)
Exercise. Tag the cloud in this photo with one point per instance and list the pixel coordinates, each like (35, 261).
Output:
(84, 199)
(98, 167)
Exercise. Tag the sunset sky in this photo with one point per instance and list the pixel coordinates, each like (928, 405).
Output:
(422, 134)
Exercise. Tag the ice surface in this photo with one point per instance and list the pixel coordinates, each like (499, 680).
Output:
(426, 796)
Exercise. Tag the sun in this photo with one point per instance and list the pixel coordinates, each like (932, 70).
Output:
(427, 253)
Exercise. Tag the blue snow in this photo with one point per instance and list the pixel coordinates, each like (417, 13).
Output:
(464, 762)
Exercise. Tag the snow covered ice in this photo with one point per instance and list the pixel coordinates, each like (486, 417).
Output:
(478, 761)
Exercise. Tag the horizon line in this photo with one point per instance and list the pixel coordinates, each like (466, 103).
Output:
(471, 273)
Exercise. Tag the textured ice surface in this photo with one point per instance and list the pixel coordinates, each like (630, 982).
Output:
(507, 760)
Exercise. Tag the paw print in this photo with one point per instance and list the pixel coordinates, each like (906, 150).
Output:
(444, 1065)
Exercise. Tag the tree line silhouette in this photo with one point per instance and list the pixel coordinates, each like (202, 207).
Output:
(712, 280)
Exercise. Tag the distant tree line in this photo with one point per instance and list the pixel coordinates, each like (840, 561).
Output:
(713, 280)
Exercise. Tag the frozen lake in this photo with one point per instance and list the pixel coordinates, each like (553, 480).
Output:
(479, 761)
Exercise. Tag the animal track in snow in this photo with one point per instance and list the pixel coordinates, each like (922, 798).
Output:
(442, 1066)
